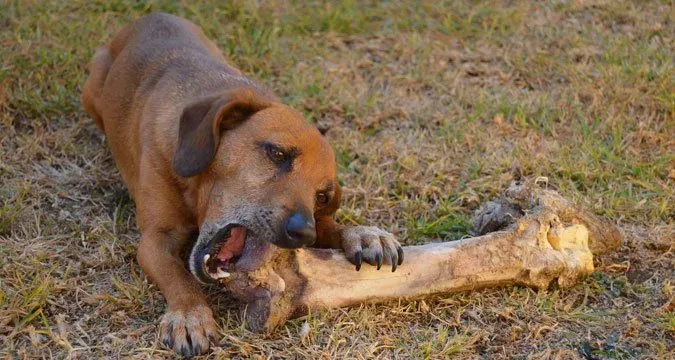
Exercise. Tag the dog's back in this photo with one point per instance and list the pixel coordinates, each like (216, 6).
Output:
(144, 48)
(156, 51)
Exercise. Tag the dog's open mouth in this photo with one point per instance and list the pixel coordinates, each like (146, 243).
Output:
(225, 249)
(231, 249)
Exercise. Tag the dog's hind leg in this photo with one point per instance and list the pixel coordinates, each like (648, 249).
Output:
(98, 71)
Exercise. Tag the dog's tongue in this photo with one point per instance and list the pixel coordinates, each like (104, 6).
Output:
(234, 244)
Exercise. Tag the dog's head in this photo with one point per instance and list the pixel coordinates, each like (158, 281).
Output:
(259, 173)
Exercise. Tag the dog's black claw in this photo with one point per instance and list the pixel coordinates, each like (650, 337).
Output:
(378, 260)
(357, 260)
(167, 339)
(167, 342)
(399, 250)
(196, 349)
(394, 261)
(185, 351)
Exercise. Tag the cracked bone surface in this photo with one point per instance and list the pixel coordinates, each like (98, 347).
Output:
(534, 250)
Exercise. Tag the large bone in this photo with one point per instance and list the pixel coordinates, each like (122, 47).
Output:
(534, 251)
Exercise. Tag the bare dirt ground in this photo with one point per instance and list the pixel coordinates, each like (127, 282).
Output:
(431, 105)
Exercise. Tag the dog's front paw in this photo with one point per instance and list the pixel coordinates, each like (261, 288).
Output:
(372, 245)
(188, 332)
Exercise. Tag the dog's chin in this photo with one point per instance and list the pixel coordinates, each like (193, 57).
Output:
(232, 247)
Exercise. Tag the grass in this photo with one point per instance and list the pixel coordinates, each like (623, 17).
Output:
(431, 106)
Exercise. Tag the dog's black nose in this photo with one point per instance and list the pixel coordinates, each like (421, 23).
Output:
(300, 230)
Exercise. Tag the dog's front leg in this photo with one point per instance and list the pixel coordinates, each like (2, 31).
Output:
(360, 243)
(188, 325)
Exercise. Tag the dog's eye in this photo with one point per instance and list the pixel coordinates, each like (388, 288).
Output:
(322, 198)
(276, 154)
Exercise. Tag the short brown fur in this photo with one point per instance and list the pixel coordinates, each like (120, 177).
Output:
(185, 130)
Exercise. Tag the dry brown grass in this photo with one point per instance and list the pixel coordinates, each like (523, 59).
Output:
(430, 107)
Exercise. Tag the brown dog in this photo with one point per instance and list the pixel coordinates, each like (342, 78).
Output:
(217, 167)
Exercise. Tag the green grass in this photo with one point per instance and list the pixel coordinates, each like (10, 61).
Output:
(431, 106)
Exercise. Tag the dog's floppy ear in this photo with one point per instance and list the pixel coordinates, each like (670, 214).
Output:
(202, 122)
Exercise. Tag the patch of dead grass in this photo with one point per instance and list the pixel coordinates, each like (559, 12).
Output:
(430, 107)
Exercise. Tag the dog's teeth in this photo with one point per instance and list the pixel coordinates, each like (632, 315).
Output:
(220, 274)
(207, 257)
